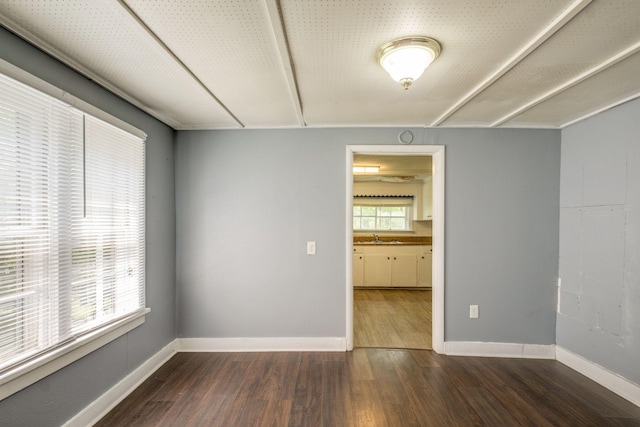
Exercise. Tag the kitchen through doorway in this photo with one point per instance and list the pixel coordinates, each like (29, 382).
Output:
(395, 247)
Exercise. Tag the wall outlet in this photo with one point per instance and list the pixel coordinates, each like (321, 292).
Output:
(473, 312)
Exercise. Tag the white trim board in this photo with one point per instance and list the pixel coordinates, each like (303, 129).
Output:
(497, 349)
(614, 382)
(116, 394)
(34, 370)
(261, 344)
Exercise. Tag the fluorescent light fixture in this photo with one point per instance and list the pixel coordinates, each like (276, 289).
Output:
(366, 169)
(406, 58)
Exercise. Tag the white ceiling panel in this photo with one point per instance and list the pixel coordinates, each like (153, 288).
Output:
(334, 47)
(587, 42)
(219, 64)
(230, 47)
(100, 38)
(617, 84)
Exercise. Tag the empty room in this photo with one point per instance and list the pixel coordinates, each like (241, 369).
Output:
(319, 213)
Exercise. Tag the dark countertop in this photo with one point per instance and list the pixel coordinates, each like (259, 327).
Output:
(389, 244)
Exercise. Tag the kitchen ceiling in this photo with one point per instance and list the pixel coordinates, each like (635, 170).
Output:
(397, 169)
(226, 64)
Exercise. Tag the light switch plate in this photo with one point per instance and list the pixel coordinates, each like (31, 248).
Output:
(473, 312)
(311, 248)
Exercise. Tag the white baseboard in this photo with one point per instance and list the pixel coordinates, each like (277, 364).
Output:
(102, 405)
(498, 349)
(614, 382)
(261, 344)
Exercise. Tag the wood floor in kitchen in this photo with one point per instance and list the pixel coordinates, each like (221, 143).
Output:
(392, 318)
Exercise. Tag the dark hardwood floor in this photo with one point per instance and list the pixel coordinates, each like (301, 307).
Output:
(367, 387)
(392, 318)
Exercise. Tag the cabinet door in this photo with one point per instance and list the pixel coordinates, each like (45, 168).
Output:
(403, 271)
(424, 270)
(377, 270)
(358, 270)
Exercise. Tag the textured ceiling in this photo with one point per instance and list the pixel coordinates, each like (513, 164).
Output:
(221, 64)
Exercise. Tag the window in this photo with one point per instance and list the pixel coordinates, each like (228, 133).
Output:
(382, 213)
(71, 223)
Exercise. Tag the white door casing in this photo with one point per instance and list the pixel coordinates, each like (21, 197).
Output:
(438, 160)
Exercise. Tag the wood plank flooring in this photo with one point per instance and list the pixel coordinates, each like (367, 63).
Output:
(392, 318)
(367, 387)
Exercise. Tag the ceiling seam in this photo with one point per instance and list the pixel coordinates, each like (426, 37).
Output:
(568, 14)
(166, 48)
(279, 30)
(620, 56)
(600, 110)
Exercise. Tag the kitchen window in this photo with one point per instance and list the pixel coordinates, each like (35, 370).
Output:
(390, 213)
(71, 225)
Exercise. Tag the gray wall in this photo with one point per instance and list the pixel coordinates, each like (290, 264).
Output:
(600, 240)
(247, 201)
(61, 395)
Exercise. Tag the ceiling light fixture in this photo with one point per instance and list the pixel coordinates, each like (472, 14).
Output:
(366, 169)
(406, 58)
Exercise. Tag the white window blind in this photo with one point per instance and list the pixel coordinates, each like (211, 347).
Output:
(71, 223)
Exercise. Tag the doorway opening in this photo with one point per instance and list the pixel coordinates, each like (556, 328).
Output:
(435, 153)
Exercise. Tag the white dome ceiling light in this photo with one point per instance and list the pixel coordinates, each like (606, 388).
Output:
(406, 58)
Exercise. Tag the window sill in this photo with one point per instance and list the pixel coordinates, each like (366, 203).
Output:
(24, 375)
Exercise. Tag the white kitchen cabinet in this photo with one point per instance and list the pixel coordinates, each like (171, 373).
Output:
(403, 270)
(425, 268)
(377, 270)
(358, 270)
(425, 211)
(384, 266)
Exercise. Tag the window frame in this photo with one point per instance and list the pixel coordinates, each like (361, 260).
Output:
(379, 203)
(67, 352)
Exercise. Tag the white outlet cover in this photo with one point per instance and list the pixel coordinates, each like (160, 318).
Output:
(311, 248)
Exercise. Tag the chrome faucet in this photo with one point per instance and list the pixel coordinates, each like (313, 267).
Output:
(377, 239)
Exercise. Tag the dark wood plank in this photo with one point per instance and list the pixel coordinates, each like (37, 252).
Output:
(368, 387)
(200, 397)
(151, 413)
(306, 408)
(366, 403)
(384, 370)
(265, 396)
(623, 422)
(520, 408)
(604, 401)
(165, 385)
(489, 409)
(336, 395)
